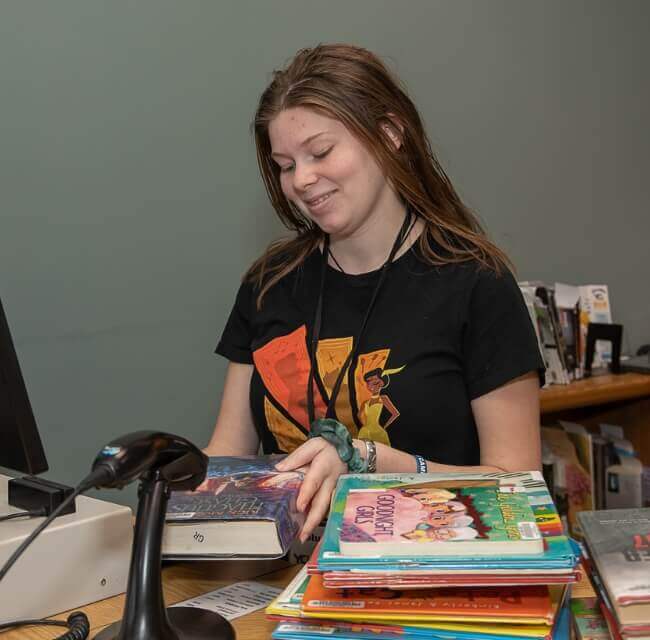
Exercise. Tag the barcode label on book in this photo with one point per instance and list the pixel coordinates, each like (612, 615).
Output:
(528, 531)
(306, 628)
(352, 604)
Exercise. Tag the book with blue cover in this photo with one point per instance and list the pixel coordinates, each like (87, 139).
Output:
(243, 509)
(439, 518)
(559, 553)
(314, 630)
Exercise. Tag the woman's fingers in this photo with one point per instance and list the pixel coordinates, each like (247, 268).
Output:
(302, 456)
(319, 507)
(310, 485)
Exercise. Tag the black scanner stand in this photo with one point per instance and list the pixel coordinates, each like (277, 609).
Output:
(145, 615)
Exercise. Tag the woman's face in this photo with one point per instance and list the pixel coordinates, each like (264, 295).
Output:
(326, 172)
(375, 384)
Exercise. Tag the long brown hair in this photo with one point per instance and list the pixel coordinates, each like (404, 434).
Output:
(353, 85)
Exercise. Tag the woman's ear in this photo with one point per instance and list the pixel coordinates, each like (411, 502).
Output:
(393, 130)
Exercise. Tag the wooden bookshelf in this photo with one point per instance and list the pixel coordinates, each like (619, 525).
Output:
(598, 390)
(622, 399)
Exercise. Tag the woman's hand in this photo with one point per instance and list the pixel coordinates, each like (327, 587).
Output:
(322, 466)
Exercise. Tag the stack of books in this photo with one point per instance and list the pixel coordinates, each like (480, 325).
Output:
(464, 556)
(618, 549)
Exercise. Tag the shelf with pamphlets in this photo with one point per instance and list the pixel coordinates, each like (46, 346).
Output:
(596, 444)
(622, 399)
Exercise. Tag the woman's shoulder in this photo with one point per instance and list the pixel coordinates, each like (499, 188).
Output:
(449, 258)
(469, 272)
(279, 271)
(282, 257)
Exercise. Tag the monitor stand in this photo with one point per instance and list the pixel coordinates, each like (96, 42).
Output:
(79, 558)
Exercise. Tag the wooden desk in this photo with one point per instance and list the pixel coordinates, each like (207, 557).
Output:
(180, 582)
(622, 399)
(617, 399)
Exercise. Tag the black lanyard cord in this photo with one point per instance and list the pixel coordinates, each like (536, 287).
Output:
(404, 232)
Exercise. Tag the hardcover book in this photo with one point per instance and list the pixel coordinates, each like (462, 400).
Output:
(439, 518)
(244, 508)
(619, 544)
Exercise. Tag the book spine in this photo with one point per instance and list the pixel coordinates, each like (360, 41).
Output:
(288, 521)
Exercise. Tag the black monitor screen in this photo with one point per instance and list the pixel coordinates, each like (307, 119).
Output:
(20, 445)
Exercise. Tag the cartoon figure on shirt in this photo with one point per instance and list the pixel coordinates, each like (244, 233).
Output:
(370, 411)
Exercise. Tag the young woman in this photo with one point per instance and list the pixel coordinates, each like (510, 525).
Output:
(387, 274)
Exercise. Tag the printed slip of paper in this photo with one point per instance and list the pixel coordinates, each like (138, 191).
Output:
(234, 600)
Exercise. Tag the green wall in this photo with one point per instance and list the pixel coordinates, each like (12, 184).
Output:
(131, 202)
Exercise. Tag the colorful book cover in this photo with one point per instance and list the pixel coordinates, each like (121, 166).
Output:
(588, 620)
(524, 605)
(560, 554)
(562, 626)
(287, 604)
(619, 544)
(338, 630)
(244, 489)
(286, 608)
(439, 518)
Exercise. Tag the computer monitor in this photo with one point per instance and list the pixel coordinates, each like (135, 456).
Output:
(21, 448)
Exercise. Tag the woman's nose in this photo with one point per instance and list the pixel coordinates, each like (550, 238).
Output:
(303, 177)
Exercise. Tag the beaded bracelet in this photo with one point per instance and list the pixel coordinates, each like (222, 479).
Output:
(339, 437)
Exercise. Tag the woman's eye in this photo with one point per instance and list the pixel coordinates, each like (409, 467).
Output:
(323, 153)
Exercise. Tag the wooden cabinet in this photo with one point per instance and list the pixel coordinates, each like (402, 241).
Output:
(622, 399)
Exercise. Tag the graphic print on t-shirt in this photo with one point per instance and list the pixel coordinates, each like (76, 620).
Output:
(283, 366)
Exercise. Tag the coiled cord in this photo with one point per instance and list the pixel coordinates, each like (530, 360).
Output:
(79, 626)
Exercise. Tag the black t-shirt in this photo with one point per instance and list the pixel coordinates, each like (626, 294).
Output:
(437, 338)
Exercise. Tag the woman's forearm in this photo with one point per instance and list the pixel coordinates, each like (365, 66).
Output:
(391, 460)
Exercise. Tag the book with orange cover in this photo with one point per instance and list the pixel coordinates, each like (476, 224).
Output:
(523, 605)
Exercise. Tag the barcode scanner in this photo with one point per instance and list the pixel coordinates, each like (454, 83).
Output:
(182, 464)
(162, 463)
